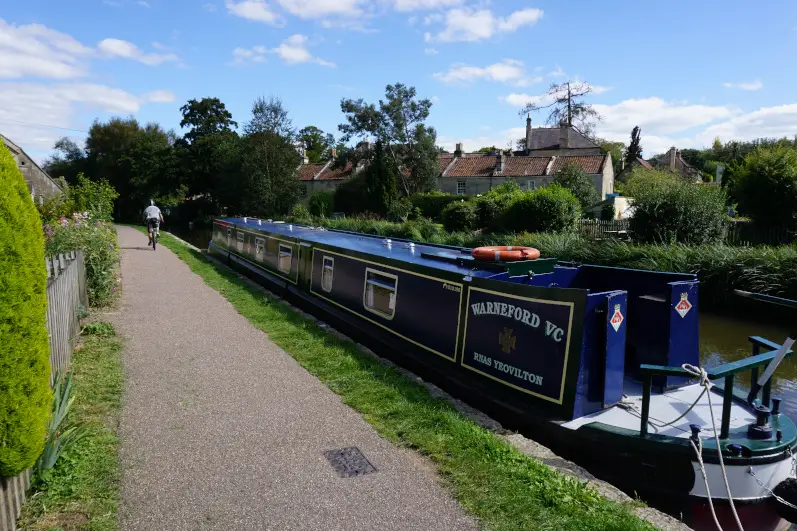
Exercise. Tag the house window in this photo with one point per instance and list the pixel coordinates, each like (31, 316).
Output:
(380, 293)
(240, 236)
(530, 185)
(327, 271)
(260, 247)
(304, 190)
(461, 187)
(284, 260)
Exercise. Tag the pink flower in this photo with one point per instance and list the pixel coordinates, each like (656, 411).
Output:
(114, 289)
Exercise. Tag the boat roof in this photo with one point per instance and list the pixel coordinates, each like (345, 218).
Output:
(369, 244)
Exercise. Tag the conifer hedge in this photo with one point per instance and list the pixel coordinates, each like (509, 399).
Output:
(24, 351)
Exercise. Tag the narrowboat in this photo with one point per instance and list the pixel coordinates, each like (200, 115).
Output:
(600, 363)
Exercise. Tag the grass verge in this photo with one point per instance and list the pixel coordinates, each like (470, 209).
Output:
(495, 482)
(82, 492)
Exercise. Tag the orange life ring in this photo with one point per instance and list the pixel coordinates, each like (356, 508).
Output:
(505, 253)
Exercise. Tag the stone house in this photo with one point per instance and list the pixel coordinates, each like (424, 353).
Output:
(557, 141)
(321, 177)
(40, 185)
(674, 161)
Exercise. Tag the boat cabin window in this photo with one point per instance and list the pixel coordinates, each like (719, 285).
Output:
(229, 233)
(260, 246)
(240, 236)
(380, 293)
(326, 273)
(285, 254)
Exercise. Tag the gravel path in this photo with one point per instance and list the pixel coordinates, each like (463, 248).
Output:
(221, 429)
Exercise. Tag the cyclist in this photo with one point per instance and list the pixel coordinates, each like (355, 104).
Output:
(153, 217)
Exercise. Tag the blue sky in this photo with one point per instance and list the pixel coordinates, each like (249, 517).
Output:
(684, 71)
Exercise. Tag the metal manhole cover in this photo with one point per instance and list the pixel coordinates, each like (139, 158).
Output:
(349, 462)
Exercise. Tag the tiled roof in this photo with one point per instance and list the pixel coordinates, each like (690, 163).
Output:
(522, 166)
(445, 159)
(337, 174)
(645, 164)
(308, 171)
(471, 166)
(590, 164)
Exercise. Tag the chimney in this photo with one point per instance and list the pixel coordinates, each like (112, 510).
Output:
(671, 156)
(334, 153)
(501, 162)
(458, 151)
(528, 134)
(564, 136)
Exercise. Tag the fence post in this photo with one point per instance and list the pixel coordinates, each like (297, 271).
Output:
(81, 277)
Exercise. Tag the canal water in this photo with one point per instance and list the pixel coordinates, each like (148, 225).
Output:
(722, 339)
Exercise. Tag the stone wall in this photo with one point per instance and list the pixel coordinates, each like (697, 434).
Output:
(41, 186)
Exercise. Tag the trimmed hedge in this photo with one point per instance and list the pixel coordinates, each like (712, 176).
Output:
(24, 351)
(459, 216)
(549, 209)
(431, 204)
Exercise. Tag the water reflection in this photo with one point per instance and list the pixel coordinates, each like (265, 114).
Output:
(724, 339)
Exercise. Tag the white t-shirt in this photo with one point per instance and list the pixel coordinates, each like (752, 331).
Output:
(152, 212)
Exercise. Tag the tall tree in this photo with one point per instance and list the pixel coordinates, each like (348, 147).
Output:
(615, 149)
(68, 161)
(204, 148)
(268, 184)
(567, 106)
(207, 116)
(380, 179)
(317, 144)
(634, 150)
(269, 115)
(398, 122)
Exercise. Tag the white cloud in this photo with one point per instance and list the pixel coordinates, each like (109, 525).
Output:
(34, 50)
(470, 24)
(294, 50)
(433, 18)
(767, 122)
(257, 10)
(412, 5)
(256, 54)
(750, 85)
(500, 139)
(521, 100)
(309, 9)
(659, 116)
(142, 3)
(509, 71)
(128, 50)
(57, 106)
(430, 51)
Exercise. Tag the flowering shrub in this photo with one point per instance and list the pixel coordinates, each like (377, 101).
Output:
(97, 240)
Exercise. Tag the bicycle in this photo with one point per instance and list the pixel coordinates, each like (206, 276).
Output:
(155, 225)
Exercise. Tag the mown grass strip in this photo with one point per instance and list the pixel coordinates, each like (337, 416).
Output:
(82, 492)
(499, 485)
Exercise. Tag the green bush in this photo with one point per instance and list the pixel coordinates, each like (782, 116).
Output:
(488, 211)
(320, 203)
(549, 209)
(24, 349)
(400, 210)
(351, 196)
(459, 216)
(573, 178)
(100, 249)
(431, 204)
(300, 214)
(669, 209)
(765, 185)
(607, 212)
(94, 198)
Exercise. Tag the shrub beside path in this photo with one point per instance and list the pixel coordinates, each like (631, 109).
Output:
(221, 429)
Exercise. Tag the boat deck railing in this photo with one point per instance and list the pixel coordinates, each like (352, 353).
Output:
(726, 372)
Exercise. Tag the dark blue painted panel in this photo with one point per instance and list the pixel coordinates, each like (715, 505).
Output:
(684, 338)
(523, 340)
(614, 373)
(426, 309)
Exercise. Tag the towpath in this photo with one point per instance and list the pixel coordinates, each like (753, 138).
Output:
(221, 429)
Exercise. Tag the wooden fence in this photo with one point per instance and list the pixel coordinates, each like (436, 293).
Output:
(66, 292)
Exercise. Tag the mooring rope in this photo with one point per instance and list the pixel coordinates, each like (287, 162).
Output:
(701, 374)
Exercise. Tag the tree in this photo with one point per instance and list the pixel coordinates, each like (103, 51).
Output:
(270, 116)
(398, 122)
(572, 177)
(765, 185)
(380, 179)
(267, 182)
(208, 116)
(634, 150)
(616, 150)
(68, 160)
(566, 104)
(489, 149)
(24, 349)
(317, 144)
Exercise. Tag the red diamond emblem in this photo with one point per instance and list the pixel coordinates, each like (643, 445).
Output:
(683, 306)
(617, 318)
